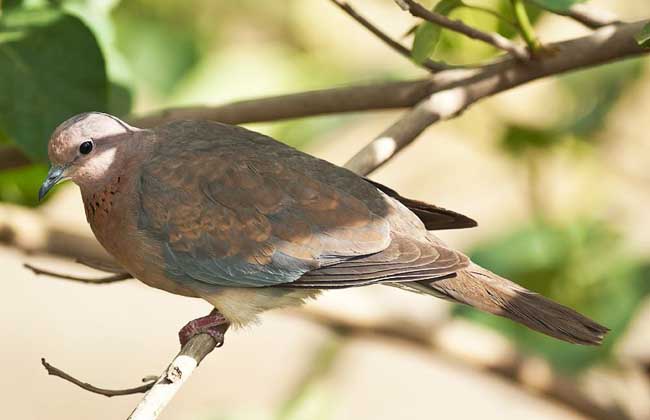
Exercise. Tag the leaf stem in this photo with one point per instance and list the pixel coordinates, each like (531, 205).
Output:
(525, 27)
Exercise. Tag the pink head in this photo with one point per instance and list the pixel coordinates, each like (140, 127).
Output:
(83, 149)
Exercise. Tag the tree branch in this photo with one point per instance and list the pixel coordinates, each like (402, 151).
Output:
(12, 157)
(594, 49)
(598, 48)
(162, 390)
(54, 371)
(494, 39)
(347, 8)
(376, 96)
(101, 280)
(465, 87)
(174, 376)
(515, 369)
(400, 134)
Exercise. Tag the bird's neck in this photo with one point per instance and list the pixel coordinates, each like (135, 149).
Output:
(115, 168)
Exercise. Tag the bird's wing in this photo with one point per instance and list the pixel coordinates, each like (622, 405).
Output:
(405, 260)
(433, 217)
(230, 207)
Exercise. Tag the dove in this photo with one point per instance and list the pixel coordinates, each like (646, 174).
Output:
(215, 211)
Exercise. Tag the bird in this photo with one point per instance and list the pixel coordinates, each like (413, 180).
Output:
(249, 224)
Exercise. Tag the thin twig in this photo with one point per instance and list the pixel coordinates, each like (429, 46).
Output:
(586, 15)
(494, 39)
(100, 280)
(347, 8)
(54, 371)
(591, 17)
(162, 390)
(375, 96)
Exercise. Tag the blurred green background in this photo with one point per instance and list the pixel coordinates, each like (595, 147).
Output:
(131, 57)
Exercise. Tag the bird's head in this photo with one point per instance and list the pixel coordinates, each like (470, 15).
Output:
(83, 149)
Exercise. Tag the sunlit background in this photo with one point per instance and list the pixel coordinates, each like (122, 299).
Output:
(556, 172)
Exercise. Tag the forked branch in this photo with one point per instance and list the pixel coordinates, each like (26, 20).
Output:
(54, 371)
(402, 50)
(494, 39)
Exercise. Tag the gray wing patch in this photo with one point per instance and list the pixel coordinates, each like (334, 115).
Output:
(232, 271)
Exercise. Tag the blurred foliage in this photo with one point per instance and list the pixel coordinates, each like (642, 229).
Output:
(594, 93)
(558, 5)
(519, 139)
(107, 55)
(582, 264)
(158, 54)
(51, 68)
(17, 185)
(148, 54)
(309, 399)
(591, 95)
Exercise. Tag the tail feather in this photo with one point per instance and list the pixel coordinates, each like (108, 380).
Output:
(484, 290)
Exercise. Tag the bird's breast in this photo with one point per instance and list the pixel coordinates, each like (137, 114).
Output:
(112, 214)
(110, 217)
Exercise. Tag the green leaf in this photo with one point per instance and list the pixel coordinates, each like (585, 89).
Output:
(119, 100)
(558, 5)
(428, 34)
(159, 53)
(19, 185)
(10, 4)
(518, 139)
(643, 37)
(51, 68)
(594, 93)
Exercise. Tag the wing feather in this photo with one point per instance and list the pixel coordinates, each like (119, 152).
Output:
(232, 208)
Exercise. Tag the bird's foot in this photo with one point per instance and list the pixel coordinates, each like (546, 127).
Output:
(214, 325)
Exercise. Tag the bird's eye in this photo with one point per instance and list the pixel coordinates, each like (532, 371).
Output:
(86, 147)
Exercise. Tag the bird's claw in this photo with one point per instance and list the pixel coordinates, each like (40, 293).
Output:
(214, 325)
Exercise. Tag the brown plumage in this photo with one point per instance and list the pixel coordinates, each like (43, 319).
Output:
(249, 224)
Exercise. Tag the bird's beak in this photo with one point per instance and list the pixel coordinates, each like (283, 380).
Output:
(55, 175)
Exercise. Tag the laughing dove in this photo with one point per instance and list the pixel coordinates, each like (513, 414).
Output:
(249, 224)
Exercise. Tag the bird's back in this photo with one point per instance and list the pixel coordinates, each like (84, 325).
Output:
(232, 208)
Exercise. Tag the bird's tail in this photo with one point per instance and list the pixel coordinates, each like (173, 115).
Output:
(484, 290)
